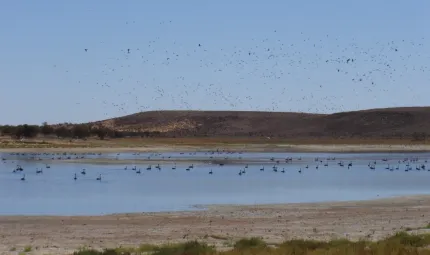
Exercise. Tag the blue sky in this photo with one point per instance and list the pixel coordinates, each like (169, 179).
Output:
(253, 55)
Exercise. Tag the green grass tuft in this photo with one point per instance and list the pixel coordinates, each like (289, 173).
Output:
(401, 244)
(27, 248)
(250, 243)
(188, 248)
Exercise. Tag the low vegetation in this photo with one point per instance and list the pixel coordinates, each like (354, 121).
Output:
(401, 243)
(27, 248)
(80, 131)
(406, 124)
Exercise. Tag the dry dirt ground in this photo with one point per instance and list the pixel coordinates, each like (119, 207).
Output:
(238, 147)
(219, 225)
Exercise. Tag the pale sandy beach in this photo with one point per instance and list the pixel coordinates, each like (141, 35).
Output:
(236, 147)
(242, 148)
(219, 225)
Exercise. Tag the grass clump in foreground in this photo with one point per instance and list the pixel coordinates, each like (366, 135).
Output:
(399, 244)
(27, 248)
(188, 248)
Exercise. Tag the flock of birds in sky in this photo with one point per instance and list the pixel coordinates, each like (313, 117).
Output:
(301, 70)
(220, 159)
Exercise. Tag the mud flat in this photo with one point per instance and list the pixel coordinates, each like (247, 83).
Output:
(219, 225)
(236, 147)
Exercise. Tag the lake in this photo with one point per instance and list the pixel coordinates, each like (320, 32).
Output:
(55, 192)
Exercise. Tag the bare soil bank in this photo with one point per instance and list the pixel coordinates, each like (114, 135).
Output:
(219, 225)
(235, 147)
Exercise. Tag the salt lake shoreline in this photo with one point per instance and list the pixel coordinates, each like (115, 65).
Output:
(335, 148)
(219, 224)
(253, 148)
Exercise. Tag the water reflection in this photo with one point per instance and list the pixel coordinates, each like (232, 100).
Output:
(121, 189)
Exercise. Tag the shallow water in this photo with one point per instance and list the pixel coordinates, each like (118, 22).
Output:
(56, 193)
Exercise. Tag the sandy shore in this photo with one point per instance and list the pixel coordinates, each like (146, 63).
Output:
(236, 147)
(189, 160)
(220, 225)
(172, 162)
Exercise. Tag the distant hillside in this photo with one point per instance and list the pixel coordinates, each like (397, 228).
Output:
(390, 122)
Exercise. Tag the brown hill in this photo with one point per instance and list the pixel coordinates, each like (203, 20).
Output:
(390, 122)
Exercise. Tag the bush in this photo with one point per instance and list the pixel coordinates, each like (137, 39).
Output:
(189, 248)
(28, 131)
(104, 252)
(253, 242)
(102, 132)
(46, 129)
(8, 130)
(406, 239)
(80, 131)
(63, 132)
(419, 136)
(401, 243)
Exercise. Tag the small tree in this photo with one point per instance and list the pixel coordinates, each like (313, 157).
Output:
(62, 132)
(80, 131)
(46, 129)
(101, 132)
(419, 136)
(28, 131)
(9, 130)
(118, 134)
